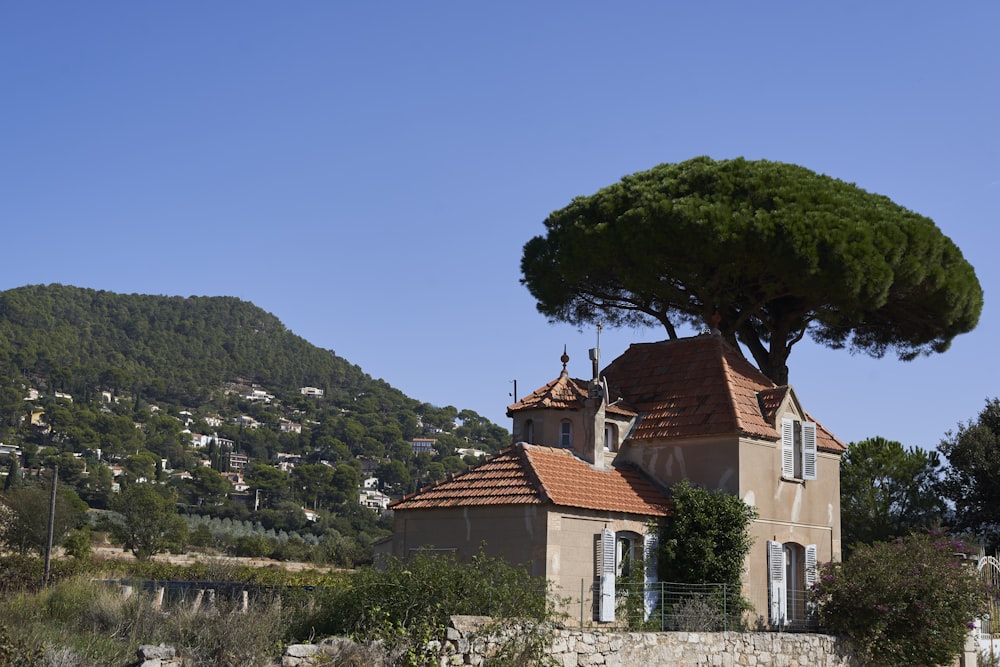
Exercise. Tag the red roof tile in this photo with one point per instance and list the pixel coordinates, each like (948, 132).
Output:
(563, 393)
(698, 386)
(532, 475)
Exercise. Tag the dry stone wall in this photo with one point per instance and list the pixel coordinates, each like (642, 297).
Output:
(575, 648)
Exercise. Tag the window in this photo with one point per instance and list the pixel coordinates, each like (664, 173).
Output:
(798, 449)
(566, 434)
(628, 551)
(791, 573)
(529, 431)
(617, 554)
(610, 437)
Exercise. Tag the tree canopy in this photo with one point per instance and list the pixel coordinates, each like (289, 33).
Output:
(972, 479)
(887, 491)
(764, 251)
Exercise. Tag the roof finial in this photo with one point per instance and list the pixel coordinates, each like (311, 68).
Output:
(565, 360)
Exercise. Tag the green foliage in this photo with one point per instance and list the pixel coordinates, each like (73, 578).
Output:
(905, 603)
(149, 523)
(887, 491)
(77, 543)
(409, 602)
(90, 623)
(16, 650)
(972, 480)
(774, 250)
(172, 364)
(26, 528)
(707, 538)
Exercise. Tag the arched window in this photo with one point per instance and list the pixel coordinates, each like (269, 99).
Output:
(628, 551)
(566, 434)
(791, 575)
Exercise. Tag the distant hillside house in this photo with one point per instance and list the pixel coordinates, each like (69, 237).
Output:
(373, 499)
(235, 461)
(290, 426)
(423, 445)
(312, 392)
(469, 451)
(259, 395)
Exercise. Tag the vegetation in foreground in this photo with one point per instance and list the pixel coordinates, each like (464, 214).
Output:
(905, 603)
(392, 612)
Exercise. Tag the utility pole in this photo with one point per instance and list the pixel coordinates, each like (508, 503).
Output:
(52, 524)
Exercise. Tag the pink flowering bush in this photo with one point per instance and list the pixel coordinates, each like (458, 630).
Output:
(905, 603)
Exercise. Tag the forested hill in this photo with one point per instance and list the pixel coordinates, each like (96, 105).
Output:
(175, 349)
(184, 352)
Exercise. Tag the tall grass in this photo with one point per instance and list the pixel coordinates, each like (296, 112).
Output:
(82, 623)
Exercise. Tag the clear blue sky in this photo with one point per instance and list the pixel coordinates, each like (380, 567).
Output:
(369, 172)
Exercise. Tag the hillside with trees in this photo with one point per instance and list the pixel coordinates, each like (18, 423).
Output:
(238, 418)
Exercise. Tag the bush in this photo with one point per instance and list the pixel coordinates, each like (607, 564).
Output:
(407, 603)
(909, 602)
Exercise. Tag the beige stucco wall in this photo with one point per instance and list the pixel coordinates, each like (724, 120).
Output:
(801, 512)
(557, 543)
(517, 533)
(709, 462)
(571, 565)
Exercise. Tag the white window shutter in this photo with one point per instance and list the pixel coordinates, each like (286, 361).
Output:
(812, 565)
(606, 608)
(776, 583)
(808, 450)
(787, 448)
(650, 544)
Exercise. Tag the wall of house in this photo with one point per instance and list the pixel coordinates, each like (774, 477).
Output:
(546, 426)
(709, 462)
(570, 566)
(559, 544)
(516, 533)
(790, 511)
(799, 512)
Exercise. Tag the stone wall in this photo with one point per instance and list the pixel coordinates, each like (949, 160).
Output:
(576, 648)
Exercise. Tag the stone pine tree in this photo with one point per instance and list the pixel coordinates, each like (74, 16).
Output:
(768, 252)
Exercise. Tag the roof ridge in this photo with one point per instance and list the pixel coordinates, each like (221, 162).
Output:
(531, 473)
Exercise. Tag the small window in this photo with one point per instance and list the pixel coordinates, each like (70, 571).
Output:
(610, 437)
(566, 434)
(529, 431)
(798, 449)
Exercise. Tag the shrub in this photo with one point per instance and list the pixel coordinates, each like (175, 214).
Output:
(909, 602)
(407, 603)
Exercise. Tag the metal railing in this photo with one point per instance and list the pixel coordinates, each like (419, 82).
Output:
(671, 607)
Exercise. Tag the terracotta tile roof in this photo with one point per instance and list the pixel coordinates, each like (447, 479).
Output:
(563, 393)
(698, 386)
(533, 475)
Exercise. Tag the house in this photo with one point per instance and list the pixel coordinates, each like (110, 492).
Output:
(235, 462)
(287, 426)
(373, 499)
(423, 445)
(311, 392)
(594, 461)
